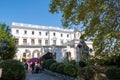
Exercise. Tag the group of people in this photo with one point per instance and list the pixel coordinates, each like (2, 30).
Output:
(33, 67)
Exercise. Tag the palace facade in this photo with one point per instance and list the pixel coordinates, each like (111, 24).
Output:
(36, 41)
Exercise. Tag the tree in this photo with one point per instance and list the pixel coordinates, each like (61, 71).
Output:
(9, 51)
(101, 20)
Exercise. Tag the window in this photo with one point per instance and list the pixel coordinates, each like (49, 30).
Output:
(53, 34)
(32, 41)
(17, 41)
(46, 42)
(54, 42)
(46, 33)
(25, 32)
(61, 35)
(24, 41)
(17, 31)
(32, 32)
(39, 41)
(61, 42)
(67, 35)
(39, 33)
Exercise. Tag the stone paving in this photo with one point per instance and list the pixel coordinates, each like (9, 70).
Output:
(41, 76)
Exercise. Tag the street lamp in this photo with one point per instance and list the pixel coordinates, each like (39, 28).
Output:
(3, 45)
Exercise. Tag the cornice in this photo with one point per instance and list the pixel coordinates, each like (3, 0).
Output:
(38, 27)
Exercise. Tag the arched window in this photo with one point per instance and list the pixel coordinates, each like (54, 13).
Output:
(68, 55)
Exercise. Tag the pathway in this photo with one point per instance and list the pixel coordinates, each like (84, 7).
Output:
(41, 76)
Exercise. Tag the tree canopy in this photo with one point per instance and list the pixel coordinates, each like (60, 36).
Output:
(9, 51)
(101, 20)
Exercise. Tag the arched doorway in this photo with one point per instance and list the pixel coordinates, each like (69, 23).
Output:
(68, 55)
(28, 53)
(18, 55)
(36, 54)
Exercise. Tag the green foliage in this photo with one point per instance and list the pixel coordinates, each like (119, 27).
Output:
(47, 63)
(70, 70)
(82, 63)
(60, 68)
(72, 62)
(100, 19)
(109, 60)
(44, 63)
(12, 70)
(86, 73)
(113, 72)
(53, 67)
(113, 60)
(66, 61)
(9, 51)
(48, 56)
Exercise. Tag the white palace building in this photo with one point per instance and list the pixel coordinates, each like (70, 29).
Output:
(36, 41)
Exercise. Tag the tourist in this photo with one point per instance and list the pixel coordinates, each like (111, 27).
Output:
(33, 66)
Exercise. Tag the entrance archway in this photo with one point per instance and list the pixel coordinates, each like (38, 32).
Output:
(36, 53)
(68, 55)
(28, 53)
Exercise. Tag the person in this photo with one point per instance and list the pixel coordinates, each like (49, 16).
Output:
(29, 67)
(26, 66)
(37, 67)
(33, 66)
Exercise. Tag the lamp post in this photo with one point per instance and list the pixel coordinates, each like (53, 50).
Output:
(3, 45)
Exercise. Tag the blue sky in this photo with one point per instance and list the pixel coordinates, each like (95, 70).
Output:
(28, 11)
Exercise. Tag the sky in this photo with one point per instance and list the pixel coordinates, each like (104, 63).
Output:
(28, 12)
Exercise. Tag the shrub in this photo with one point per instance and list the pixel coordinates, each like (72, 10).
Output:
(82, 64)
(53, 67)
(48, 55)
(47, 63)
(70, 70)
(12, 70)
(72, 62)
(60, 68)
(113, 73)
(86, 73)
(44, 63)
(111, 60)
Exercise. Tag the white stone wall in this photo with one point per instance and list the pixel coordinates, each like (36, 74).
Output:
(67, 35)
(43, 29)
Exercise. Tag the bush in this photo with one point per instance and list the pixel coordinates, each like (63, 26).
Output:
(82, 64)
(72, 62)
(12, 70)
(53, 67)
(47, 63)
(48, 55)
(113, 73)
(86, 73)
(70, 70)
(60, 68)
(111, 60)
